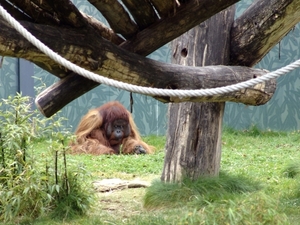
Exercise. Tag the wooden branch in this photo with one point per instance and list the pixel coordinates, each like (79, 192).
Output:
(67, 12)
(49, 102)
(35, 12)
(260, 28)
(164, 8)
(31, 8)
(45, 5)
(117, 17)
(172, 77)
(187, 16)
(103, 30)
(142, 12)
(16, 13)
(260, 94)
(13, 44)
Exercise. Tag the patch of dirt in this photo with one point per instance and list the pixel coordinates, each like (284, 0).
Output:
(106, 185)
(119, 205)
(123, 202)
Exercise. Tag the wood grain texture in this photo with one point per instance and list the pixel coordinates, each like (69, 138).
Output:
(193, 145)
(260, 28)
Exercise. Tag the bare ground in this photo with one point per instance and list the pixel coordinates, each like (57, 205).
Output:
(120, 204)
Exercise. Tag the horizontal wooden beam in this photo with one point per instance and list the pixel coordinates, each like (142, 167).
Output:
(62, 92)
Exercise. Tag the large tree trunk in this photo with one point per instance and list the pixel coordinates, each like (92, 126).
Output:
(194, 132)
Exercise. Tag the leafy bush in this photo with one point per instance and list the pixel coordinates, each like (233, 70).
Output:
(31, 187)
(22, 195)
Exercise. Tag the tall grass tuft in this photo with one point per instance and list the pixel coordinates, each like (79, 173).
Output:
(292, 170)
(197, 193)
(73, 199)
(251, 209)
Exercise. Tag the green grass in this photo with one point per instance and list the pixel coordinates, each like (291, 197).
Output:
(259, 184)
(198, 193)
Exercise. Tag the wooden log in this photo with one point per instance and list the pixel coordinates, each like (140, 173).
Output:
(171, 77)
(164, 8)
(31, 10)
(260, 28)
(112, 11)
(47, 101)
(188, 15)
(142, 12)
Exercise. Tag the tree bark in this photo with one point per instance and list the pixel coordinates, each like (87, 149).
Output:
(259, 28)
(194, 129)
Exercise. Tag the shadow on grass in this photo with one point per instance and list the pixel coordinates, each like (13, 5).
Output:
(197, 193)
(292, 170)
(227, 199)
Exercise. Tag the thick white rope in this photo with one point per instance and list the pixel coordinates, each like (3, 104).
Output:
(138, 89)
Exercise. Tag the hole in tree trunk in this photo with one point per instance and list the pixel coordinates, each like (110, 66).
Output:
(184, 52)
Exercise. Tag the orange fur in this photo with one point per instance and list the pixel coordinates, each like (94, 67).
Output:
(134, 139)
(91, 132)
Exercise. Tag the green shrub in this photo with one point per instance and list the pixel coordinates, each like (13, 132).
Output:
(30, 184)
(22, 195)
(73, 198)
